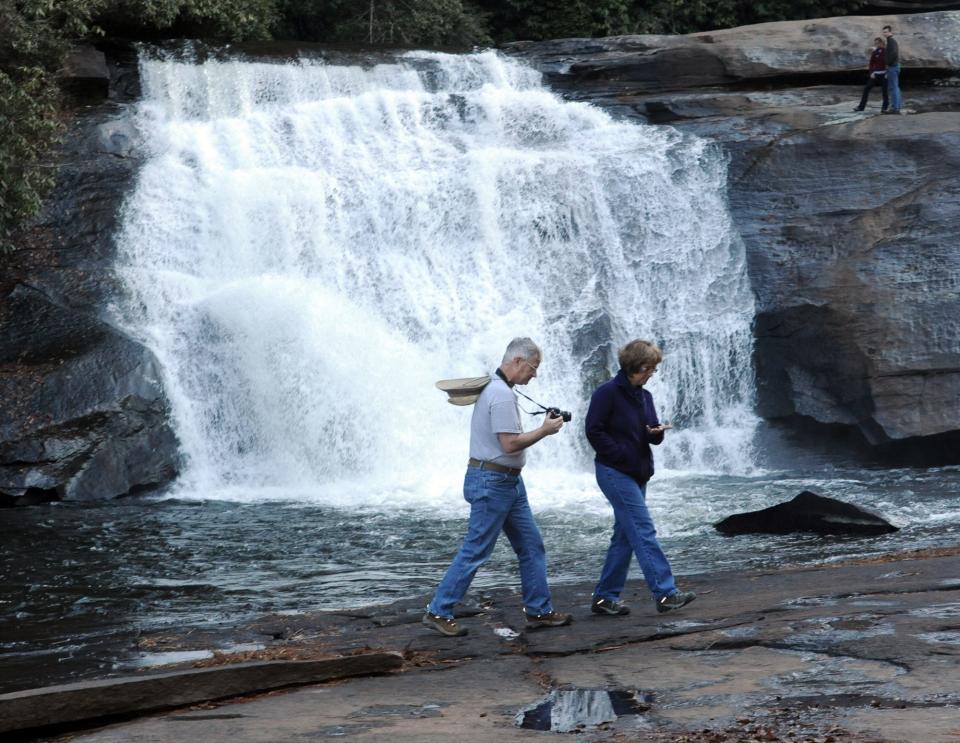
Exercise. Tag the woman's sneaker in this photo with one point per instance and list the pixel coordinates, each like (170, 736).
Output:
(675, 600)
(550, 619)
(609, 607)
(444, 626)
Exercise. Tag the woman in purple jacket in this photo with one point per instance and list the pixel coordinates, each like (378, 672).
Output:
(877, 67)
(621, 425)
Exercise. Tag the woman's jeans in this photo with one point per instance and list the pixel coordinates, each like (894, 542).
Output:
(633, 534)
(875, 80)
(497, 502)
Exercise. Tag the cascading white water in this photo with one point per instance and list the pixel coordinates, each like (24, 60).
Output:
(310, 246)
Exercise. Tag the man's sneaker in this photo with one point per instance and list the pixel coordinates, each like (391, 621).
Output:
(444, 626)
(551, 619)
(609, 607)
(675, 600)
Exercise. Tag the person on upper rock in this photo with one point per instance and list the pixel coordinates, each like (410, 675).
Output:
(877, 67)
(892, 57)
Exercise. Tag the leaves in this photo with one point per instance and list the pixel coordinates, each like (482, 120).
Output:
(35, 38)
(410, 23)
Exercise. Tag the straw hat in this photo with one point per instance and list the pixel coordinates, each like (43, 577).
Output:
(463, 391)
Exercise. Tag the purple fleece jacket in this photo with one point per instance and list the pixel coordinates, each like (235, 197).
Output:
(617, 427)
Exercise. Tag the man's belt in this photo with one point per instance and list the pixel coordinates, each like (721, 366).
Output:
(481, 465)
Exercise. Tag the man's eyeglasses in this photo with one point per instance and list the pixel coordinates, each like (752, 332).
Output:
(530, 365)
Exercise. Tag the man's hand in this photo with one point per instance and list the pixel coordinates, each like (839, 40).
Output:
(658, 429)
(514, 442)
(551, 424)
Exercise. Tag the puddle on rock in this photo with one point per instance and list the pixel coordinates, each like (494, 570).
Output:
(747, 631)
(820, 632)
(805, 601)
(148, 660)
(824, 674)
(506, 633)
(570, 710)
(937, 611)
(940, 638)
(870, 603)
(174, 657)
(419, 711)
(681, 625)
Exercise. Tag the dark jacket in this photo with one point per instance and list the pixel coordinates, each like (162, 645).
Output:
(893, 52)
(878, 61)
(617, 427)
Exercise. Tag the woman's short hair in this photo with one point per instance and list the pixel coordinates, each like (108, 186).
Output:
(637, 355)
(879, 41)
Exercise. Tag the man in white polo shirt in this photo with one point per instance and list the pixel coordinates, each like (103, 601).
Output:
(494, 489)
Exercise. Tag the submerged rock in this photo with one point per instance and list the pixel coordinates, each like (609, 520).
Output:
(807, 512)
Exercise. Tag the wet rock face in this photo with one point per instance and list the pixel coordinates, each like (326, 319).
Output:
(855, 275)
(848, 218)
(807, 512)
(85, 75)
(82, 411)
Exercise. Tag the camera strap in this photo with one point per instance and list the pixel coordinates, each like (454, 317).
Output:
(535, 412)
(513, 387)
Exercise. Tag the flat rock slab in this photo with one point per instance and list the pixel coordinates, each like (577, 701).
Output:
(89, 701)
(860, 652)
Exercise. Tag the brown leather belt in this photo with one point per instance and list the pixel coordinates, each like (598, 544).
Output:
(515, 471)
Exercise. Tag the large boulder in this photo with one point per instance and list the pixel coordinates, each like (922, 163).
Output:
(766, 52)
(807, 512)
(858, 311)
(82, 410)
(848, 218)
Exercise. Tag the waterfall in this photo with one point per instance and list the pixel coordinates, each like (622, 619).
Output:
(310, 246)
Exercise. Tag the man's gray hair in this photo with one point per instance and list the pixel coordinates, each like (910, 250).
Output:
(525, 348)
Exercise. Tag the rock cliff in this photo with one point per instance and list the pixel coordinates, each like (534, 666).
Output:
(82, 409)
(849, 218)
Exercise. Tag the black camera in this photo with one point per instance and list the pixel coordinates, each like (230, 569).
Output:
(557, 413)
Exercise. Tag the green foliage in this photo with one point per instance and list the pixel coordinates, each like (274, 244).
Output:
(515, 20)
(225, 20)
(28, 127)
(407, 23)
(29, 104)
(688, 16)
(33, 44)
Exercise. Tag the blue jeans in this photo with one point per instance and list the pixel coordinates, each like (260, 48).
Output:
(633, 534)
(497, 502)
(893, 86)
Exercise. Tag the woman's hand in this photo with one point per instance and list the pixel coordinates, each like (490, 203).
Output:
(658, 429)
